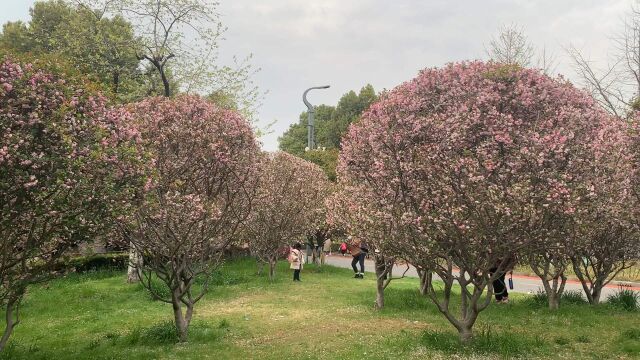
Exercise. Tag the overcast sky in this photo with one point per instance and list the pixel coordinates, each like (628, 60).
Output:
(348, 43)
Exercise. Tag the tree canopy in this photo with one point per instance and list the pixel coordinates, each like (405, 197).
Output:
(68, 166)
(479, 163)
(102, 48)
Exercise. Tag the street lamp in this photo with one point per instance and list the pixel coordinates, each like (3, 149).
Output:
(310, 114)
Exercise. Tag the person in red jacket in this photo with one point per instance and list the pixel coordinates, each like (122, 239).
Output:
(343, 248)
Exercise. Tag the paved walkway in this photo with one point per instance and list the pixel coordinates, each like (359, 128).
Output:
(522, 283)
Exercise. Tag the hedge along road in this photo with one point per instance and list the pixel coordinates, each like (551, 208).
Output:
(521, 283)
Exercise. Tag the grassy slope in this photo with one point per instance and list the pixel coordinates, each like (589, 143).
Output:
(327, 316)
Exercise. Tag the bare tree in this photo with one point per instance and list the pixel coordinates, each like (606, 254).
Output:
(512, 46)
(164, 27)
(616, 85)
(179, 39)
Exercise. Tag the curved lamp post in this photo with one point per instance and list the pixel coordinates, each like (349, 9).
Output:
(310, 113)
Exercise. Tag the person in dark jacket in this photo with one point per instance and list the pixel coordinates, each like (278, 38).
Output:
(499, 284)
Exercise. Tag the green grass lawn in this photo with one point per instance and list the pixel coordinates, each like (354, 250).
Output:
(329, 315)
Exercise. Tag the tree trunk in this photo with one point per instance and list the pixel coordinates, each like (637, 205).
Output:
(10, 323)
(380, 279)
(592, 289)
(425, 279)
(595, 294)
(260, 265)
(596, 289)
(116, 82)
(379, 295)
(554, 301)
(551, 270)
(465, 333)
(272, 269)
(135, 261)
(182, 324)
(165, 82)
(316, 256)
(554, 290)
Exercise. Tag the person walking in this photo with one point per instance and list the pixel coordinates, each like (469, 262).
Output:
(317, 253)
(296, 259)
(343, 248)
(499, 284)
(326, 250)
(359, 253)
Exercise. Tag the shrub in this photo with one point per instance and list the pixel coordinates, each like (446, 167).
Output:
(625, 299)
(486, 341)
(166, 333)
(539, 299)
(573, 297)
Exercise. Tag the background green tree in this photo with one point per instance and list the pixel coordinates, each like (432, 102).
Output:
(294, 140)
(331, 124)
(101, 48)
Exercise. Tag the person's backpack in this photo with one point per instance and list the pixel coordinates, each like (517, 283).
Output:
(343, 247)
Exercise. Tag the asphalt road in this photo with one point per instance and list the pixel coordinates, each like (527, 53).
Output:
(522, 283)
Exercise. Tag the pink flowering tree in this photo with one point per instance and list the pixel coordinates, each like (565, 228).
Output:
(478, 162)
(68, 163)
(202, 170)
(354, 209)
(288, 204)
(606, 233)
